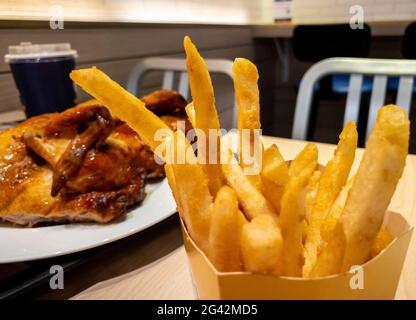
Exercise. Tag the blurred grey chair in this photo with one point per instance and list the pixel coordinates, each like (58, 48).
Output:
(171, 66)
(357, 68)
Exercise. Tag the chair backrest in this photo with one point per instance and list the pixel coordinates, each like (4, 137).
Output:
(171, 66)
(408, 42)
(357, 68)
(313, 43)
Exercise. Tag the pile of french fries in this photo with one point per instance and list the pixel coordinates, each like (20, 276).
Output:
(292, 219)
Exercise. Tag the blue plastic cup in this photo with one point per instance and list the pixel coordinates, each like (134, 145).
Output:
(41, 73)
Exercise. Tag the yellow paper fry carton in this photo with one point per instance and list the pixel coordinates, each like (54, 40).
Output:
(376, 279)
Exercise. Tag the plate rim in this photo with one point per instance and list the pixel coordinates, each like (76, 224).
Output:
(160, 218)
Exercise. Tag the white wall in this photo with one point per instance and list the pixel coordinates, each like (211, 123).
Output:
(161, 11)
(337, 11)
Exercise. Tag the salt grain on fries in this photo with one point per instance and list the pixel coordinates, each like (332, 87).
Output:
(259, 225)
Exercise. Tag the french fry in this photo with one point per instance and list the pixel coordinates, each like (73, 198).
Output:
(121, 104)
(261, 246)
(273, 193)
(310, 194)
(224, 237)
(206, 117)
(247, 95)
(382, 240)
(375, 182)
(292, 211)
(274, 167)
(190, 112)
(330, 257)
(242, 220)
(192, 190)
(332, 180)
(274, 176)
(303, 159)
(249, 197)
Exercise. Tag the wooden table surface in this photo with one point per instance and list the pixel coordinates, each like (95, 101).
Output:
(168, 275)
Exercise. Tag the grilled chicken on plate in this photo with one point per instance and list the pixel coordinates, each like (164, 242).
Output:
(81, 165)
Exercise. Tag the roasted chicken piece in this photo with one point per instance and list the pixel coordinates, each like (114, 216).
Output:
(77, 166)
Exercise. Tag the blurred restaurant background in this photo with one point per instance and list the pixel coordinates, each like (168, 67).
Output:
(283, 38)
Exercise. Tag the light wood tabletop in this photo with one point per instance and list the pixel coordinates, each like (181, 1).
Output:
(168, 277)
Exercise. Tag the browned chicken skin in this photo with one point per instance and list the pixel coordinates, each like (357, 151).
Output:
(80, 165)
(165, 102)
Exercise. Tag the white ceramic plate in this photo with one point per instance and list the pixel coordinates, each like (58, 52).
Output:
(24, 244)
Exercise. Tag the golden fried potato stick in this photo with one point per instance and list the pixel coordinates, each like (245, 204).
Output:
(382, 240)
(310, 194)
(274, 166)
(242, 220)
(274, 176)
(224, 238)
(333, 178)
(250, 198)
(329, 259)
(247, 94)
(261, 246)
(192, 190)
(303, 160)
(297, 165)
(121, 103)
(292, 211)
(375, 182)
(190, 112)
(248, 102)
(272, 192)
(206, 117)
